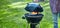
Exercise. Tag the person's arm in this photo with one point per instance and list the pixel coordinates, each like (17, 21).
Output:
(57, 3)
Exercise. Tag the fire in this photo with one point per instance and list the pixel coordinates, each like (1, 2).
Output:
(34, 12)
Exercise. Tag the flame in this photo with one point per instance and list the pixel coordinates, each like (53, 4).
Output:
(34, 12)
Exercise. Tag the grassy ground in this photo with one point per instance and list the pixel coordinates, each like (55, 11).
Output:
(11, 18)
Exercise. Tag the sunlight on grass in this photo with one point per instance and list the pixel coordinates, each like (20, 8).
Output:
(18, 4)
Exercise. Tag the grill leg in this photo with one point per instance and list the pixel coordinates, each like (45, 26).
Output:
(32, 25)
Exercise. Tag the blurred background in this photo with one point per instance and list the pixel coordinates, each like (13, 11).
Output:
(11, 12)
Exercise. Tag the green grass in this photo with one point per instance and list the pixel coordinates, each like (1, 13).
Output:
(12, 17)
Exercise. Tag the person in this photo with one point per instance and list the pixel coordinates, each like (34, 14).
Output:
(55, 8)
(36, 1)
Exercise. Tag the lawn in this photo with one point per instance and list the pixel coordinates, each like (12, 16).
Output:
(12, 17)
